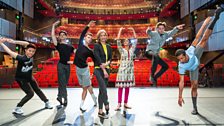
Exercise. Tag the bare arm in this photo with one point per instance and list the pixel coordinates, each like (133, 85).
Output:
(7, 50)
(181, 85)
(119, 33)
(181, 88)
(54, 39)
(133, 30)
(23, 43)
(135, 39)
(204, 25)
(119, 46)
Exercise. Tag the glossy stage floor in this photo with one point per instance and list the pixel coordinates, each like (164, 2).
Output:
(150, 107)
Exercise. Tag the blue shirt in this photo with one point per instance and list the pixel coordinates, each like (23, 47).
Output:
(192, 63)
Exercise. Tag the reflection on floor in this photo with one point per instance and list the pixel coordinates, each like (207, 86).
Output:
(150, 107)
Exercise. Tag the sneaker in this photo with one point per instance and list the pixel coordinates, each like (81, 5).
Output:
(59, 99)
(219, 9)
(194, 112)
(95, 101)
(48, 105)
(103, 115)
(17, 110)
(82, 110)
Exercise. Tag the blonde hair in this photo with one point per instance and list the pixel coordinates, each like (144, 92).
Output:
(161, 23)
(99, 33)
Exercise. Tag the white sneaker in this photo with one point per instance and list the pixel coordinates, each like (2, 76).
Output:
(18, 110)
(48, 105)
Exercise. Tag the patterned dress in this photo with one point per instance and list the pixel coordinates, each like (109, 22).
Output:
(125, 75)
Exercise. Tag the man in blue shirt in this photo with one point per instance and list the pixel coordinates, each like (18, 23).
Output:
(189, 60)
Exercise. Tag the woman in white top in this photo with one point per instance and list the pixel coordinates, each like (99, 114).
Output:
(125, 76)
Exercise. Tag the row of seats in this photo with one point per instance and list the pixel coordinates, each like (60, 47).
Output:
(112, 30)
(47, 77)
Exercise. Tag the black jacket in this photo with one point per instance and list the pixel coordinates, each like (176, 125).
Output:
(99, 54)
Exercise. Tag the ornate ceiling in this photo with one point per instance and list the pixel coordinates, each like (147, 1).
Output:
(107, 4)
(108, 9)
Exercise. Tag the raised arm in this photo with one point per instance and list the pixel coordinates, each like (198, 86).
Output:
(54, 39)
(133, 41)
(133, 30)
(22, 43)
(175, 30)
(119, 46)
(198, 35)
(134, 44)
(149, 31)
(7, 50)
(91, 23)
(119, 33)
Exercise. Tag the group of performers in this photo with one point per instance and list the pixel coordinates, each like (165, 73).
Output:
(189, 60)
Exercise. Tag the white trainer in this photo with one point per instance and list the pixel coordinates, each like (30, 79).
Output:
(48, 105)
(18, 110)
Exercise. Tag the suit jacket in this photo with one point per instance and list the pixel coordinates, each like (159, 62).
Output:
(100, 56)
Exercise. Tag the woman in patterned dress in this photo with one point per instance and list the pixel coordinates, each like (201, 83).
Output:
(125, 76)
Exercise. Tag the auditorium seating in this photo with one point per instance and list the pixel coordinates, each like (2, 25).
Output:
(47, 77)
(112, 30)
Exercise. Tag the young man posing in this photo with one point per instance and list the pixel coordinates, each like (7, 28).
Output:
(24, 73)
(158, 38)
(190, 59)
(63, 67)
(82, 68)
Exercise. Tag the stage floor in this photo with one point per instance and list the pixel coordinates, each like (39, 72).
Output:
(150, 107)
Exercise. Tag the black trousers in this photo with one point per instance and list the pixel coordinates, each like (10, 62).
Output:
(102, 82)
(63, 78)
(29, 87)
(156, 60)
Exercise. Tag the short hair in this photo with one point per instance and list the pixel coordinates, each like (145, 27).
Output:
(98, 34)
(161, 23)
(179, 52)
(63, 31)
(30, 45)
(89, 33)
